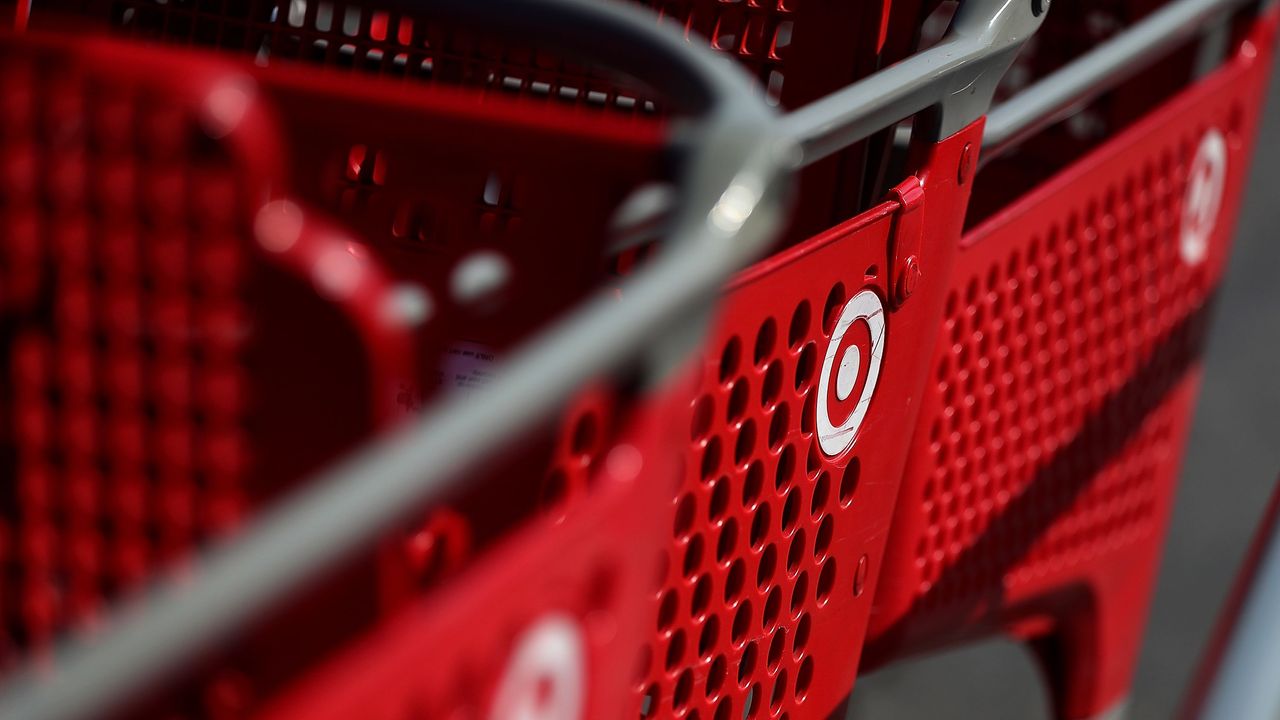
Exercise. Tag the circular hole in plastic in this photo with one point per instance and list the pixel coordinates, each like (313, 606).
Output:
(693, 555)
(675, 649)
(766, 338)
(746, 443)
(826, 581)
(799, 592)
(786, 467)
(804, 678)
(768, 565)
(799, 330)
(772, 609)
(831, 311)
(747, 665)
(703, 411)
(759, 526)
(729, 359)
(778, 426)
(752, 484)
(771, 388)
(734, 581)
(822, 541)
(649, 702)
(738, 395)
(711, 458)
(779, 691)
(708, 637)
(791, 511)
(849, 481)
(667, 609)
(801, 640)
(719, 500)
(741, 622)
(684, 688)
(728, 541)
(805, 366)
(584, 434)
(776, 646)
(701, 597)
(715, 676)
(795, 552)
(821, 493)
(686, 510)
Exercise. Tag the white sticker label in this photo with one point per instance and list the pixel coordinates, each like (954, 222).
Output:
(467, 366)
(846, 362)
(546, 676)
(1203, 199)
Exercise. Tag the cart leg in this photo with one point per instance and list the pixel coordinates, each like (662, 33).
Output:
(1088, 661)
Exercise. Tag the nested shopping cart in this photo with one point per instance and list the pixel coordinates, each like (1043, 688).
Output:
(559, 641)
(1045, 456)
(167, 196)
(461, 234)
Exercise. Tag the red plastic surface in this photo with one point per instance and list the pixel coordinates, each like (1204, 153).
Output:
(157, 365)
(1044, 462)
(775, 541)
(491, 179)
(544, 625)
(798, 52)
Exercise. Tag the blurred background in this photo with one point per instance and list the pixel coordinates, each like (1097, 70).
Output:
(1232, 461)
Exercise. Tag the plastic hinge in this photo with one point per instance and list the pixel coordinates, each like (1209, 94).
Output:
(904, 260)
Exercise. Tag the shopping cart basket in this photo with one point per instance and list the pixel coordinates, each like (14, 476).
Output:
(159, 377)
(595, 578)
(1042, 470)
(797, 52)
(954, 82)
(755, 615)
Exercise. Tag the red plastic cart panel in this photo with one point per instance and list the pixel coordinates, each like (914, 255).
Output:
(545, 625)
(794, 449)
(157, 369)
(1044, 462)
(799, 52)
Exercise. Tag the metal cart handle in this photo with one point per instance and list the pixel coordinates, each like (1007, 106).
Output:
(738, 161)
(1101, 69)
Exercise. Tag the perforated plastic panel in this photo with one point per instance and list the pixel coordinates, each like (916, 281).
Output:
(545, 620)
(799, 52)
(785, 45)
(143, 325)
(791, 460)
(1043, 466)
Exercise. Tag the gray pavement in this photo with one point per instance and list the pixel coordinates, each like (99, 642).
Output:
(1231, 464)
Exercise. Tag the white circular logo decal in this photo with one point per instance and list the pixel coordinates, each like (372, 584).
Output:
(1203, 198)
(546, 676)
(853, 356)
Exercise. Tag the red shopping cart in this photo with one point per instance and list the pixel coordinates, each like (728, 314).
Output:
(898, 234)
(157, 376)
(209, 125)
(1043, 465)
(462, 252)
(786, 47)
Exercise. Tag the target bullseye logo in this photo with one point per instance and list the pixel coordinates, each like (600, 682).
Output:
(1203, 199)
(852, 361)
(546, 676)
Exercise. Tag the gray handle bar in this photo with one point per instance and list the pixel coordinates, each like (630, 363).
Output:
(1099, 70)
